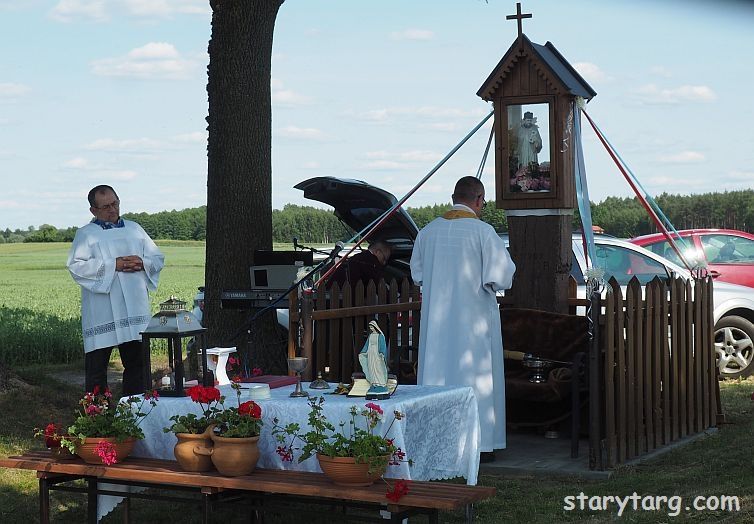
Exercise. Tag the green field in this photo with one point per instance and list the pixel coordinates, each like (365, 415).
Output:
(40, 319)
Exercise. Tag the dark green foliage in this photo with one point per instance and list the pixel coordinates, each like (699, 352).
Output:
(622, 217)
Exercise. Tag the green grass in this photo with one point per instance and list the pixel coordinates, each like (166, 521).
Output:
(39, 323)
(40, 316)
(720, 464)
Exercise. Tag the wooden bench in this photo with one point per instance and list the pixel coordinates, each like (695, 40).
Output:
(262, 487)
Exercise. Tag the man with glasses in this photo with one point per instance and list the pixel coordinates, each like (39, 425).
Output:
(116, 264)
(461, 262)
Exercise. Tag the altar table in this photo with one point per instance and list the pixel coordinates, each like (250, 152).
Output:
(440, 431)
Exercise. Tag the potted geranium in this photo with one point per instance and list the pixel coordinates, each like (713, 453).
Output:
(234, 437)
(104, 431)
(194, 432)
(53, 434)
(356, 456)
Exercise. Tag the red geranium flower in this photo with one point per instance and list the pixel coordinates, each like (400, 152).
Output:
(400, 488)
(106, 452)
(250, 408)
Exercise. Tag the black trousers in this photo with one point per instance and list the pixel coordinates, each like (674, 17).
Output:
(132, 357)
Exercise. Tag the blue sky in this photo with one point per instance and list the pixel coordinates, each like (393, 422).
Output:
(114, 91)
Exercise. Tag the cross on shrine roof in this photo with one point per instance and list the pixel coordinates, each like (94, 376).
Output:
(519, 17)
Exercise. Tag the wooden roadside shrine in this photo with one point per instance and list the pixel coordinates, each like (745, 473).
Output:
(533, 90)
(652, 378)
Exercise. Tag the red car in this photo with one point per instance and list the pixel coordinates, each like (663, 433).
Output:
(728, 254)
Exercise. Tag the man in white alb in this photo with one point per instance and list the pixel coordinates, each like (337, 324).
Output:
(116, 264)
(461, 262)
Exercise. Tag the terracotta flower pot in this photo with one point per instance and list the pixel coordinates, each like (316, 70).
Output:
(86, 448)
(345, 471)
(233, 457)
(187, 454)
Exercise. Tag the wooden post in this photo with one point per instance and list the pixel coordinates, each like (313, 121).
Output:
(596, 457)
(541, 248)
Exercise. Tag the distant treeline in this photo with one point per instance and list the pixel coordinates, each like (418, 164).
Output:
(622, 217)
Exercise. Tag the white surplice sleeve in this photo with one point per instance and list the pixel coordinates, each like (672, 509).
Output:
(153, 260)
(416, 262)
(88, 267)
(497, 266)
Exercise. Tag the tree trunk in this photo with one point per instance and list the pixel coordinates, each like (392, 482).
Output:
(239, 177)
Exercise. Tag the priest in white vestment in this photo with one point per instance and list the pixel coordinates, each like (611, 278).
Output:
(116, 264)
(461, 262)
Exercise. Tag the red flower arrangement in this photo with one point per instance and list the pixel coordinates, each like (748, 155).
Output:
(52, 434)
(208, 399)
(239, 422)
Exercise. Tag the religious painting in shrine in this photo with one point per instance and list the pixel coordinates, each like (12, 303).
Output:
(529, 148)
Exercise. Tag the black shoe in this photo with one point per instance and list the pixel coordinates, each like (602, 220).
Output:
(486, 457)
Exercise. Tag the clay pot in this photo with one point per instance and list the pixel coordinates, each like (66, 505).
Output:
(345, 471)
(232, 457)
(186, 453)
(86, 447)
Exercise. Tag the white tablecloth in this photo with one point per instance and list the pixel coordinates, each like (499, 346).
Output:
(440, 431)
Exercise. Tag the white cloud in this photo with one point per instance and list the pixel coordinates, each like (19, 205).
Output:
(386, 164)
(385, 160)
(303, 133)
(412, 34)
(125, 174)
(165, 8)
(286, 97)
(76, 163)
(155, 60)
(652, 94)
(195, 137)
(13, 90)
(661, 71)
(72, 10)
(312, 164)
(103, 10)
(10, 204)
(441, 126)
(591, 72)
(407, 156)
(425, 112)
(154, 50)
(138, 145)
(742, 178)
(684, 157)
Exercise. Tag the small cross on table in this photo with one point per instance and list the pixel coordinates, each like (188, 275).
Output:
(519, 17)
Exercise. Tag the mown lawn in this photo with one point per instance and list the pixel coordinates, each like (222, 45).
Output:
(39, 324)
(719, 464)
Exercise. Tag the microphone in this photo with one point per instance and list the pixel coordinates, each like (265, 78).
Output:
(337, 249)
(295, 243)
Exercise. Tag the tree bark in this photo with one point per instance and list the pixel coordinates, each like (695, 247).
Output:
(239, 177)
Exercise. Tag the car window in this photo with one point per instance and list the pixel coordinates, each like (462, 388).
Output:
(665, 250)
(624, 264)
(727, 249)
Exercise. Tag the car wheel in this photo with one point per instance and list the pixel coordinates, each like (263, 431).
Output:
(734, 345)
